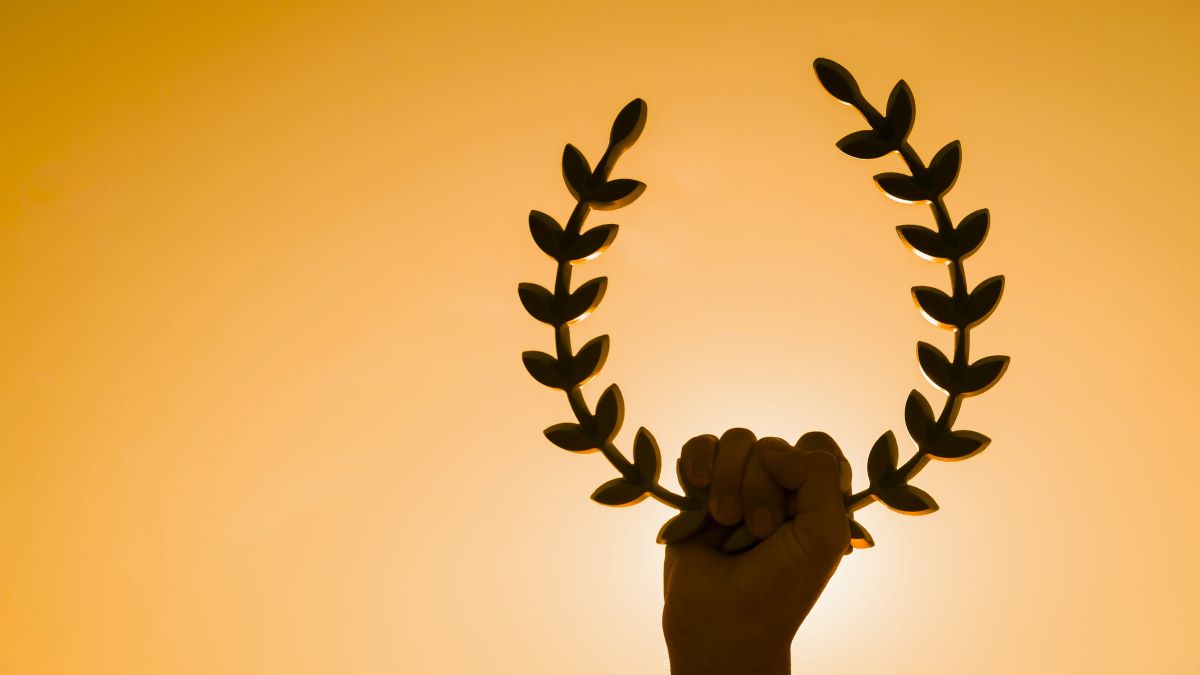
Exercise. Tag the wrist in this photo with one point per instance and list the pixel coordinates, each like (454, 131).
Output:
(727, 655)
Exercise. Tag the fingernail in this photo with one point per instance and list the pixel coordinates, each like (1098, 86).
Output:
(761, 518)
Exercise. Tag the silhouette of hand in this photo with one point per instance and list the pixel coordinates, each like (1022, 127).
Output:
(737, 614)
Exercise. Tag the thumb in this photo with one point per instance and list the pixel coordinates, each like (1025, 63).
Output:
(813, 475)
(820, 510)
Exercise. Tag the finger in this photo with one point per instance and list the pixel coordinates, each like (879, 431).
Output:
(820, 441)
(763, 501)
(724, 494)
(814, 475)
(698, 454)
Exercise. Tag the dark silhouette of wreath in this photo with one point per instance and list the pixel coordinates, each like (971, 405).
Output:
(959, 311)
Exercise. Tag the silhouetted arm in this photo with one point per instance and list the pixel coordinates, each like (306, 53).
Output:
(737, 614)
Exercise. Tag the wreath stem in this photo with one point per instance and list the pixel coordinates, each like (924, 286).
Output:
(564, 352)
(958, 283)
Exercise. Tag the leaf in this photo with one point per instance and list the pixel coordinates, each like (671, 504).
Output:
(972, 231)
(959, 445)
(983, 374)
(592, 243)
(589, 360)
(924, 242)
(984, 299)
(902, 187)
(935, 366)
(544, 369)
(610, 412)
(859, 537)
(901, 110)
(739, 540)
(628, 126)
(570, 436)
(616, 193)
(937, 307)
(647, 458)
(619, 492)
(683, 526)
(576, 171)
(906, 499)
(837, 81)
(539, 302)
(918, 417)
(865, 145)
(881, 463)
(547, 233)
(943, 168)
(583, 301)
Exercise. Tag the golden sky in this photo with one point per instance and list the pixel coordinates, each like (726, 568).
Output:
(261, 403)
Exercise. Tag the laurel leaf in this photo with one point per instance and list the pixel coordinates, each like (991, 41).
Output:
(647, 458)
(576, 171)
(906, 499)
(547, 233)
(739, 540)
(588, 361)
(584, 300)
(837, 81)
(570, 436)
(539, 302)
(983, 374)
(859, 537)
(984, 299)
(901, 111)
(610, 412)
(865, 145)
(616, 193)
(881, 463)
(959, 445)
(972, 231)
(924, 242)
(935, 366)
(628, 125)
(918, 417)
(619, 492)
(902, 187)
(683, 526)
(943, 168)
(544, 369)
(592, 243)
(937, 307)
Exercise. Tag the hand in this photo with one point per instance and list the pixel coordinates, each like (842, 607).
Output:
(737, 614)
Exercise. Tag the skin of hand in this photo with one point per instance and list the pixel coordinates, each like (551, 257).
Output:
(737, 614)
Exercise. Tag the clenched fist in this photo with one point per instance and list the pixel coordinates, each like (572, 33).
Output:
(737, 614)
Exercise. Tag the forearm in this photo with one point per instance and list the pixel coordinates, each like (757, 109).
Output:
(706, 656)
(777, 663)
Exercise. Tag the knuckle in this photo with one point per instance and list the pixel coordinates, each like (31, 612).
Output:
(738, 434)
(773, 444)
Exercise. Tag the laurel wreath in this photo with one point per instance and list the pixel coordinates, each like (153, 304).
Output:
(961, 310)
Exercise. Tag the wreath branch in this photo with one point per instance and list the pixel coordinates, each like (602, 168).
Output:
(569, 370)
(963, 309)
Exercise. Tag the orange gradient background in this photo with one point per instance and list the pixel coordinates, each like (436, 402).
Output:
(262, 409)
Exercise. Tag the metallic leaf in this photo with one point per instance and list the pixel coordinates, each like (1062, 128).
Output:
(619, 492)
(569, 436)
